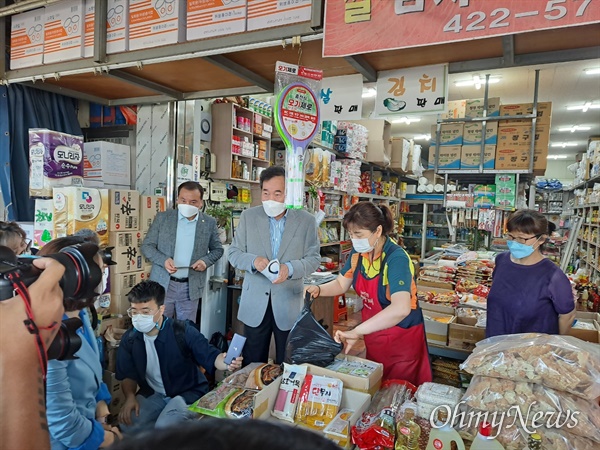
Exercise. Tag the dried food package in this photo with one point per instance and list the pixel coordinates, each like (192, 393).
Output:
(558, 362)
(320, 400)
(212, 404)
(289, 392)
(262, 376)
(240, 377)
(495, 394)
(309, 342)
(431, 395)
(240, 405)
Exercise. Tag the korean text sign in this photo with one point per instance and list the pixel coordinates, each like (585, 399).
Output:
(363, 26)
(341, 98)
(419, 90)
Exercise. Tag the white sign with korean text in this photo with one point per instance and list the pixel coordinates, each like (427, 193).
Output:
(341, 98)
(416, 90)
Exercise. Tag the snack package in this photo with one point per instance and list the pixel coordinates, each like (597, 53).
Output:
(212, 404)
(262, 376)
(240, 377)
(431, 395)
(289, 392)
(557, 362)
(320, 400)
(240, 405)
(494, 394)
(338, 429)
(361, 369)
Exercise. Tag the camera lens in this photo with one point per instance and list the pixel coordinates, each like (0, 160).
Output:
(67, 342)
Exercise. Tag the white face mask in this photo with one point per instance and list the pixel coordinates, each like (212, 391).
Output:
(144, 323)
(187, 211)
(273, 208)
(362, 245)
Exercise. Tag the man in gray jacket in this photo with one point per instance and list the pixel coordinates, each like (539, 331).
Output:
(264, 233)
(182, 244)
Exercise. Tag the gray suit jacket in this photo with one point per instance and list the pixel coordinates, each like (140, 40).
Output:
(299, 246)
(159, 245)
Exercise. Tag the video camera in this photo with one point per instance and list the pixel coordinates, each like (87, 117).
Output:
(79, 282)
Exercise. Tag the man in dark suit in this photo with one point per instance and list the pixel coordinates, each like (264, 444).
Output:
(182, 244)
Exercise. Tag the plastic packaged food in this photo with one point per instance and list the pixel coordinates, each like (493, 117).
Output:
(361, 369)
(431, 395)
(320, 400)
(289, 392)
(494, 394)
(240, 405)
(262, 376)
(558, 362)
(212, 404)
(240, 377)
(338, 429)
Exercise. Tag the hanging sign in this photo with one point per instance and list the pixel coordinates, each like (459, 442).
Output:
(296, 120)
(364, 26)
(419, 90)
(341, 98)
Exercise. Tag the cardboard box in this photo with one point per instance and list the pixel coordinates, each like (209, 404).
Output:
(120, 285)
(450, 134)
(117, 27)
(511, 136)
(505, 201)
(442, 309)
(456, 110)
(587, 335)
(472, 133)
(437, 332)
(368, 385)
(115, 390)
(379, 151)
(470, 156)
(27, 39)
(505, 179)
(43, 222)
(215, 18)
(150, 205)
(107, 162)
(544, 113)
(63, 31)
(274, 13)
(484, 195)
(474, 107)
(463, 334)
(76, 208)
(126, 252)
(449, 157)
(518, 159)
(124, 210)
(152, 27)
(401, 149)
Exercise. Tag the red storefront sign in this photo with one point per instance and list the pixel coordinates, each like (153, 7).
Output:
(364, 26)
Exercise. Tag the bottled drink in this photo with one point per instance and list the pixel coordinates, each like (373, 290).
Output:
(443, 437)
(484, 441)
(534, 442)
(408, 432)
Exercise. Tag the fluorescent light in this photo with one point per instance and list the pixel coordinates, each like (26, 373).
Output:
(575, 128)
(564, 144)
(475, 81)
(407, 120)
(584, 107)
(594, 71)
(370, 92)
(422, 137)
(557, 156)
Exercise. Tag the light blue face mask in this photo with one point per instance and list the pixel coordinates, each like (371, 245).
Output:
(518, 250)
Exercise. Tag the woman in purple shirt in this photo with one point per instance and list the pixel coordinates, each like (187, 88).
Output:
(529, 292)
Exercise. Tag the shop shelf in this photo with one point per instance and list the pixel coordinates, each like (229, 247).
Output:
(239, 130)
(584, 183)
(329, 244)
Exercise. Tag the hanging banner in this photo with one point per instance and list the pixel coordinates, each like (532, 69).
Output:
(421, 90)
(341, 98)
(364, 26)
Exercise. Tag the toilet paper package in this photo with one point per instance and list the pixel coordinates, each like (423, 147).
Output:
(55, 159)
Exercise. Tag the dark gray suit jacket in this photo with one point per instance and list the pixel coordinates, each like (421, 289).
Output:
(299, 246)
(159, 245)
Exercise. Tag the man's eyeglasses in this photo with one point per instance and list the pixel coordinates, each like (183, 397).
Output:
(145, 312)
(510, 237)
(27, 244)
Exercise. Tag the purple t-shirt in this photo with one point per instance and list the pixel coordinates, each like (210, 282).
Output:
(527, 299)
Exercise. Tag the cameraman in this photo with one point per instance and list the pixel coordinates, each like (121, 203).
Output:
(23, 422)
(14, 237)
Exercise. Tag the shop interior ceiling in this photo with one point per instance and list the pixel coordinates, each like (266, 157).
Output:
(244, 64)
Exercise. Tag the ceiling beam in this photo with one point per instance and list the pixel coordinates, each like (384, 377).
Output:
(146, 84)
(316, 14)
(508, 49)
(151, 99)
(65, 91)
(240, 71)
(100, 9)
(24, 6)
(233, 92)
(363, 67)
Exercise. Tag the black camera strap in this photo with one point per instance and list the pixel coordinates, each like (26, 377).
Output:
(23, 292)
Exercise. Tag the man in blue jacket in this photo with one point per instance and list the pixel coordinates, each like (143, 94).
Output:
(161, 357)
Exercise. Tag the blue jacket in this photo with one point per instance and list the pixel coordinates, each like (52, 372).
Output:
(73, 389)
(180, 375)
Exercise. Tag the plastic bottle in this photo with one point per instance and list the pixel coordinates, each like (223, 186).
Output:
(442, 438)
(484, 441)
(407, 432)
(534, 442)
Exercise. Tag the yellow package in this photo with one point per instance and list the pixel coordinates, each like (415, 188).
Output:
(320, 399)
(76, 208)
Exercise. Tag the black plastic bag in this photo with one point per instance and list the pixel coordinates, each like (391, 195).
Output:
(219, 341)
(309, 342)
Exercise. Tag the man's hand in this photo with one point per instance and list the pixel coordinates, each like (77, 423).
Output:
(236, 364)
(101, 411)
(111, 435)
(170, 266)
(131, 404)
(284, 272)
(199, 266)
(261, 263)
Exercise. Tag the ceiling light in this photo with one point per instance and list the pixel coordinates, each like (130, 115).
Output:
(406, 120)
(594, 71)
(557, 156)
(477, 80)
(369, 92)
(584, 107)
(575, 128)
(564, 144)
(422, 137)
